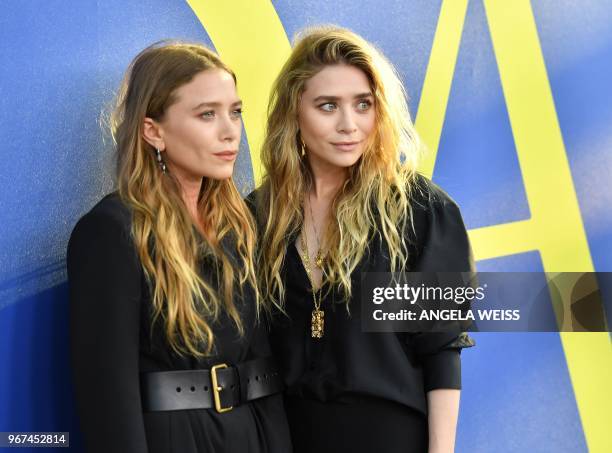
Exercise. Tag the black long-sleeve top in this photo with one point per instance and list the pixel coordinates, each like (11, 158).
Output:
(113, 341)
(347, 362)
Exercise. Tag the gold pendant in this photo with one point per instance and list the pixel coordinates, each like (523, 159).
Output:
(317, 323)
(319, 260)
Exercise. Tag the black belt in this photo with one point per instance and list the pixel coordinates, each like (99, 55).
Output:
(221, 387)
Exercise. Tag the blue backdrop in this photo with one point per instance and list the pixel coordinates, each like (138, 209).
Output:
(62, 62)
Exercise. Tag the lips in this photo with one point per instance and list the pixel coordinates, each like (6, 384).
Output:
(226, 155)
(346, 145)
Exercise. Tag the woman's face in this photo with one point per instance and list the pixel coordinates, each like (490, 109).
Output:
(336, 116)
(201, 129)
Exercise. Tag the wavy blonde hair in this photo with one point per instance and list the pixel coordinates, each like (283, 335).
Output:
(375, 197)
(167, 243)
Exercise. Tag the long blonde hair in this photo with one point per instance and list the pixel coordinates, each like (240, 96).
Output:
(374, 198)
(163, 232)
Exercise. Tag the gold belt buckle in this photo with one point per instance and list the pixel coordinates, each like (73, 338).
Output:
(216, 388)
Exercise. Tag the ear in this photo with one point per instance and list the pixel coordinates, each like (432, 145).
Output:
(153, 134)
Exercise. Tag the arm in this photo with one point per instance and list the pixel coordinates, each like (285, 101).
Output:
(445, 248)
(442, 379)
(443, 407)
(104, 280)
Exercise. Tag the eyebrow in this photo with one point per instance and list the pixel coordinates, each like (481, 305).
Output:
(215, 104)
(337, 98)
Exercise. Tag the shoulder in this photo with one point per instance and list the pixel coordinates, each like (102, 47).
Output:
(430, 201)
(432, 209)
(438, 232)
(113, 208)
(251, 200)
(427, 195)
(257, 202)
(257, 197)
(109, 219)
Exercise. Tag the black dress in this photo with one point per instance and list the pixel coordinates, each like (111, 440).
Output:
(352, 391)
(112, 342)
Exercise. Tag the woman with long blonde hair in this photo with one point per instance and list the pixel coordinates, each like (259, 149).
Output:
(342, 196)
(168, 351)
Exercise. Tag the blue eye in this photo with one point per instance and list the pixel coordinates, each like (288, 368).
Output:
(237, 113)
(208, 114)
(328, 106)
(364, 105)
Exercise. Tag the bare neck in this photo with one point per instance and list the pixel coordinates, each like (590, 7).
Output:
(190, 198)
(190, 186)
(327, 181)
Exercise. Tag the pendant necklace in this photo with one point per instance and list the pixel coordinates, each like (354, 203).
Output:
(317, 322)
(319, 258)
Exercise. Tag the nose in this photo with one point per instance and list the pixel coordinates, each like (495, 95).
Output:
(346, 124)
(230, 129)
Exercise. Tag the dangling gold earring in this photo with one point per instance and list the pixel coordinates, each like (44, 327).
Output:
(303, 147)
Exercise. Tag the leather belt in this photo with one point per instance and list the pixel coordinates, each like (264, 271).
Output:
(222, 387)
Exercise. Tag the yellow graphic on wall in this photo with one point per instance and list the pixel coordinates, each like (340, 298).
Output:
(555, 228)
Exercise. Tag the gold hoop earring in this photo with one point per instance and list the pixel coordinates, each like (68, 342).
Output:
(302, 147)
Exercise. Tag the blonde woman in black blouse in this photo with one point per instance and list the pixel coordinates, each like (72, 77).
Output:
(341, 196)
(168, 351)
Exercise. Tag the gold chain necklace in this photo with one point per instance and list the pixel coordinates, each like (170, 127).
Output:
(317, 322)
(319, 258)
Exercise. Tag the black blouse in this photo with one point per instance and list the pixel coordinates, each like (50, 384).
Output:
(113, 341)
(348, 363)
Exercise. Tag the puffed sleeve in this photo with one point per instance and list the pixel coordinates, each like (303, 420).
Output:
(443, 246)
(105, 284)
